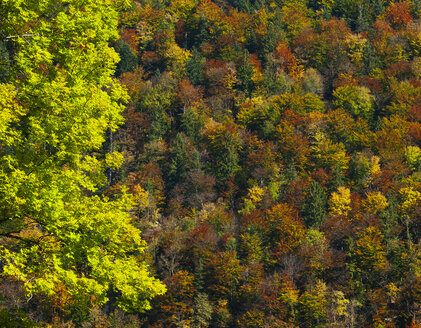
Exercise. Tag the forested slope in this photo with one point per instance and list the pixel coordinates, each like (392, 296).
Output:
(272, 156)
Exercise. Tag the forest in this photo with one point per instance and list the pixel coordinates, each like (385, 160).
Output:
(210, 163)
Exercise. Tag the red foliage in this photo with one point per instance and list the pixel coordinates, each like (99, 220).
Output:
(382, 29)
(289, 62)
(202, 241)
(255, 62)
(150, 58)
(335, 29)
(385, 181)
(223, 46)
(346, 79)
(415, 112)
(321, 176)
(296, 192)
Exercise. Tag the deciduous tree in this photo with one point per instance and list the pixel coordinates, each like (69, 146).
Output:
(55, 232)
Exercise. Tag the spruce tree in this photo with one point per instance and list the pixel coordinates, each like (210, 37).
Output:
(315, 207)
(195, 67)
(177, 170)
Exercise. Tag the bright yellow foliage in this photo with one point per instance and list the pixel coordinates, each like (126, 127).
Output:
(254, 196)
(177, 57)
(410, 199)
(339, 203)
(375, 202)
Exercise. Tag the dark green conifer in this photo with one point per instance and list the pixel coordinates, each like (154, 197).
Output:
(128, 59)
(177, 170)
(245, 74)
(4, 62)
(195, 67)
(315, 207)
(191, 124)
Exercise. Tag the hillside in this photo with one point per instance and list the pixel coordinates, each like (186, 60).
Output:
(265, 166)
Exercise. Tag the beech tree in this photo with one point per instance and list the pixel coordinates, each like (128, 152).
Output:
(57, 235)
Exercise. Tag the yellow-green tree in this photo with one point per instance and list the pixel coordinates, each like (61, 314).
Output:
(368, 257)
(57, 235)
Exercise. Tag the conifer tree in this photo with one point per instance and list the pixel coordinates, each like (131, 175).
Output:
(315, 207)
(177, 170)
(195, 67)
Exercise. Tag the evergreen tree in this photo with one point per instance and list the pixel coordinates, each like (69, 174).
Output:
(370, 59)
(195, 67)
(128, 59)
(199, 33)
(202, 311)
(269, 41)
(315, 207)
(243, 5)
(251, 43)
(4, 62)
(177, 170)
(245, 74)
(191, 124)
(194, 163)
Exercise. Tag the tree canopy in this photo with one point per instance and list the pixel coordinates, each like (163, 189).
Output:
(58, 234)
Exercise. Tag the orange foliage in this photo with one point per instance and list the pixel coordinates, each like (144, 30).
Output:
(188, 95)
(285, 229)
(289, 62)
(131, 38)
(399, 14)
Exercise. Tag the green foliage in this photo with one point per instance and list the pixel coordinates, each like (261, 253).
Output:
(195, 67)
(177, 170)
(156, 100)
(128, 60)
(202, 311)
(16, 319)
(224, 143)
(413, 157)
(191, 123)
(359, 14)
(4, 62)
(245, 74)
(57, 236)
(315, 207)
(368, 256)
(356, 100)
(313, 306)
(313, 82)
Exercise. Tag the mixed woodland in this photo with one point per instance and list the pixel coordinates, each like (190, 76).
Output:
(199, 163)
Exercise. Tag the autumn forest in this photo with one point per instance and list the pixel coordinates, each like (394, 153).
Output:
(210, 163)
